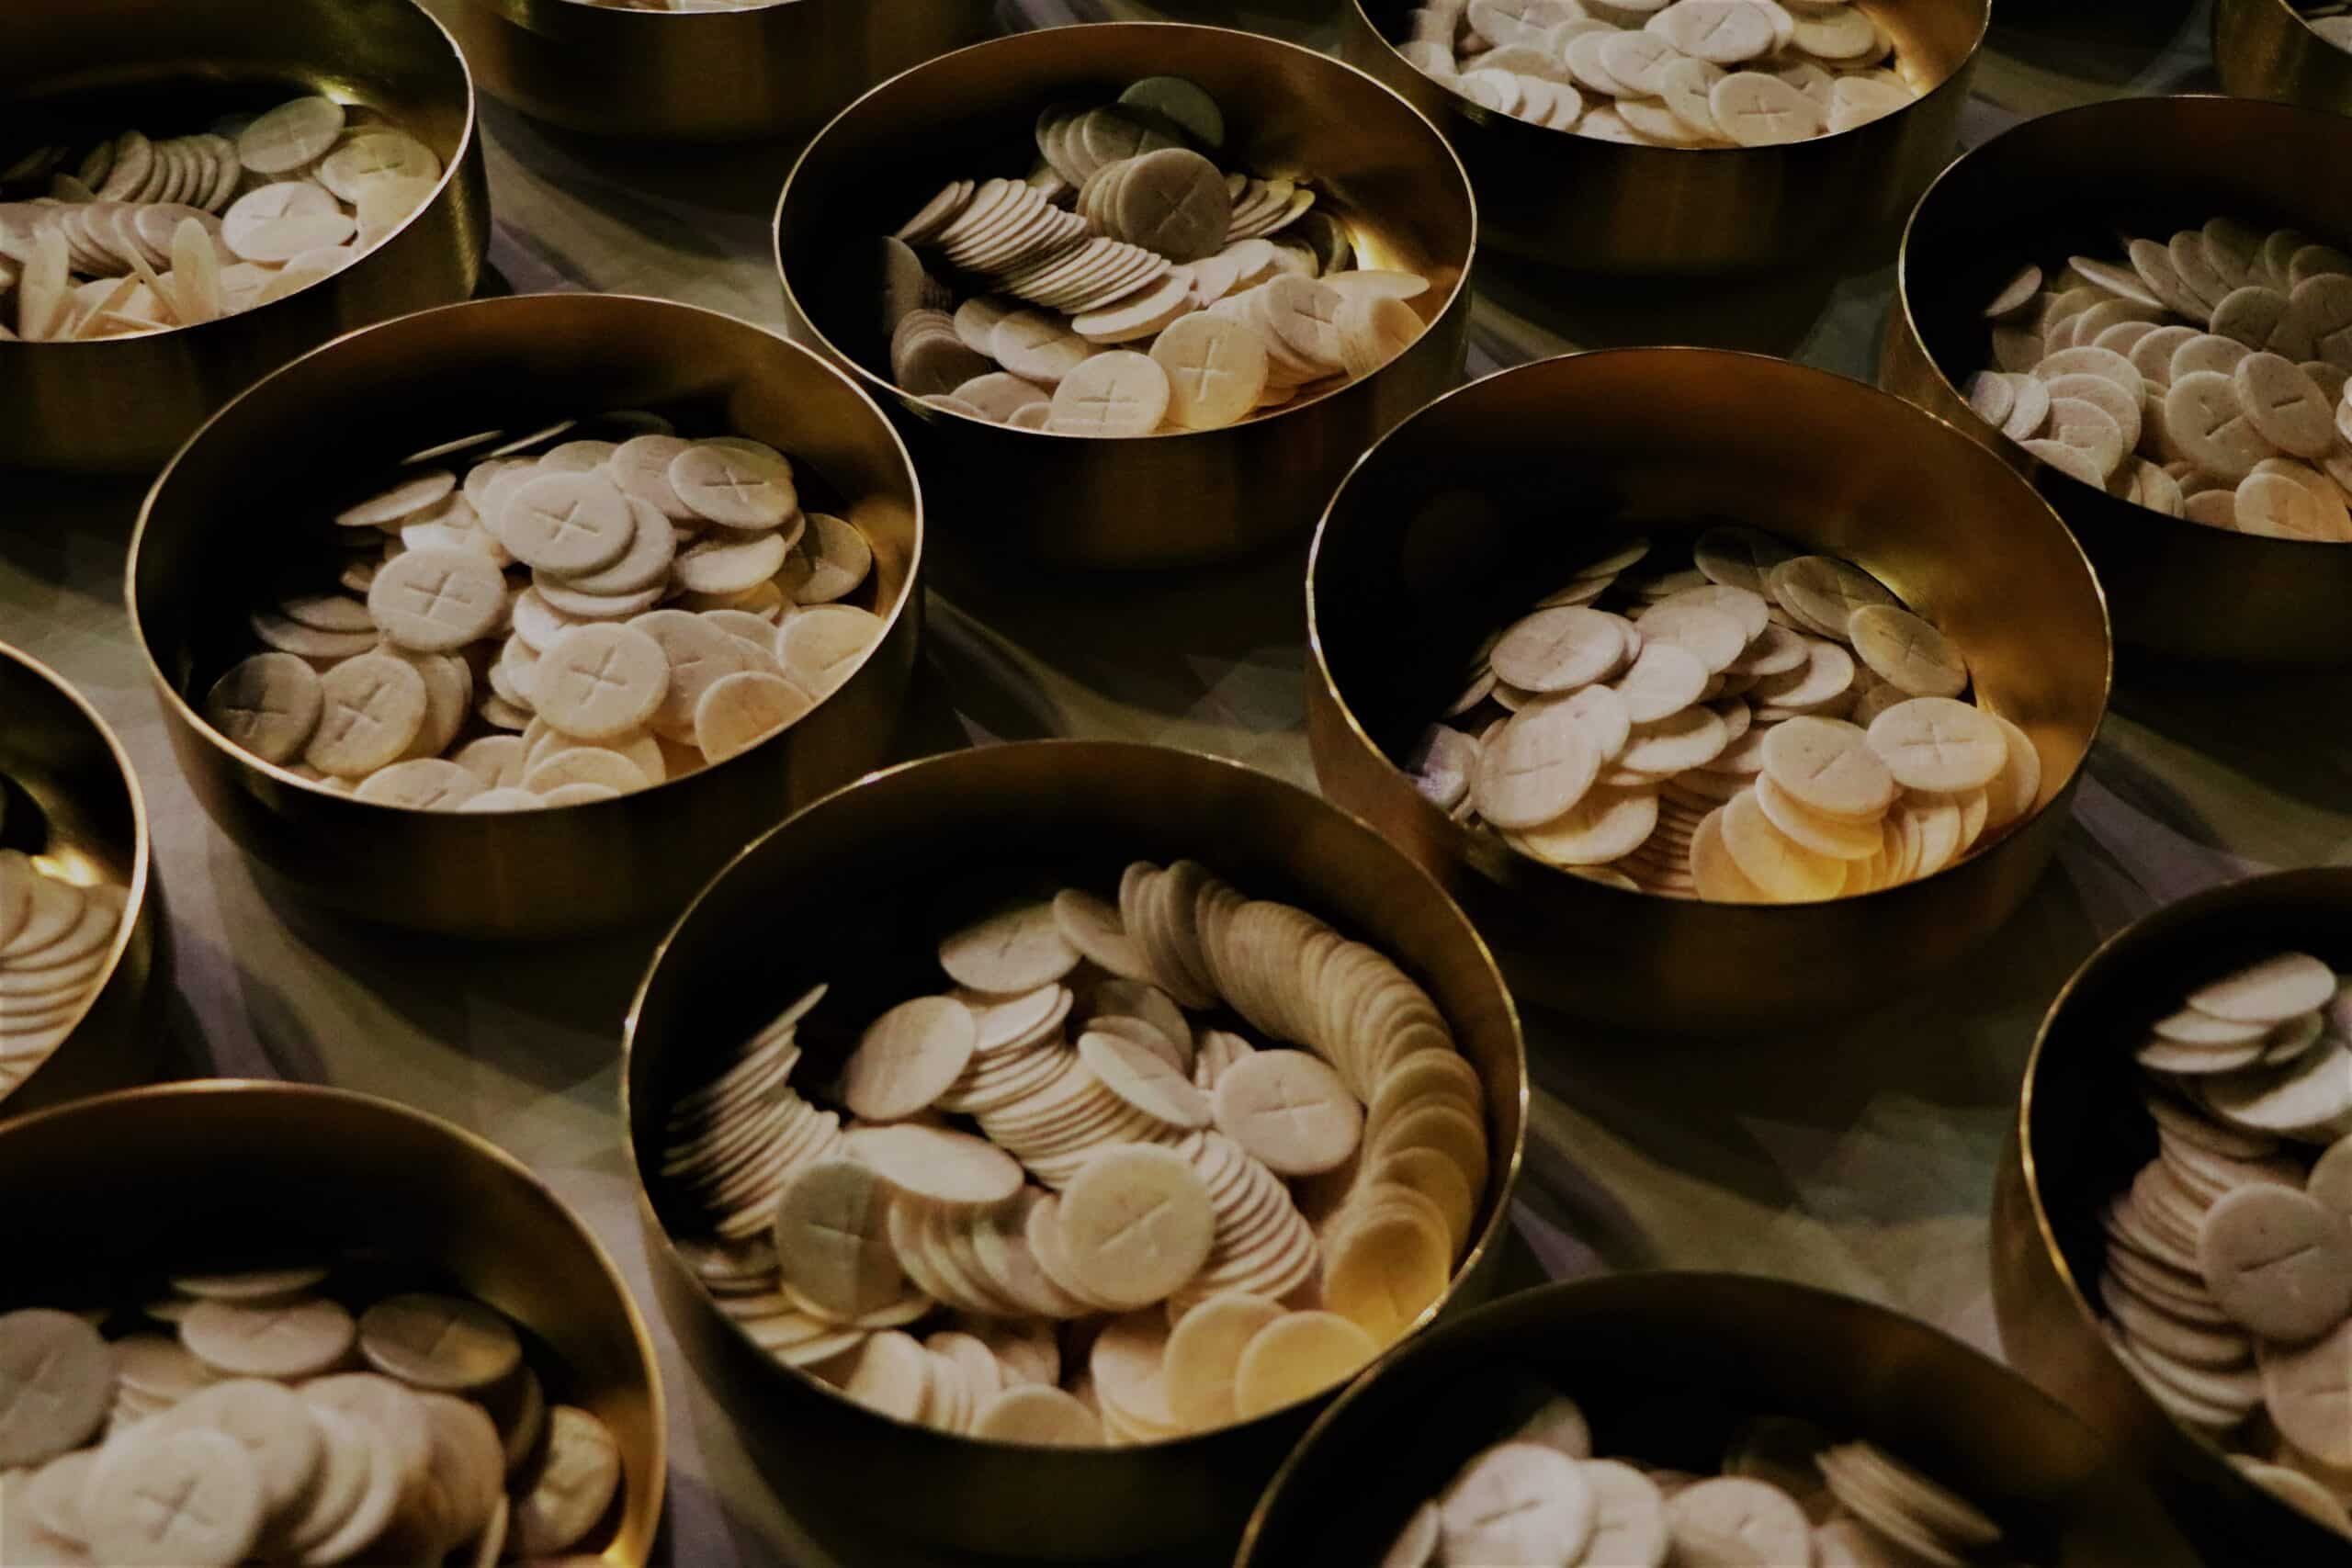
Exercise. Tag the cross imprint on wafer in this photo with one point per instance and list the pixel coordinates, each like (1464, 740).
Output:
(431, 598)
(255, 1328)
(164, 1514)
(1287, 1108)
(602, 676)
(2251, 1270)
(363, 708)
(736, 488)
(36, 1384)
(568, 522)
(1136, 1223)
(256, 713)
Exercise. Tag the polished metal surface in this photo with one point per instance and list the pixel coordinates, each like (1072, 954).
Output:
(216, 524)
(74, 805)
(1665, 1366)
(2264, 49)
(1159, 499)
(775, 70)
(1489, 497)
(1593, 205)
(93, 67)
(2068, 181)
(842, 893)
(2080, 1137)
(201, 1175)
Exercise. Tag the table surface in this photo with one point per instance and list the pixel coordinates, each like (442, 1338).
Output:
(1860, 1158)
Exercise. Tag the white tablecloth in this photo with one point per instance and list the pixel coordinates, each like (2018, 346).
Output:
(1859, 1157)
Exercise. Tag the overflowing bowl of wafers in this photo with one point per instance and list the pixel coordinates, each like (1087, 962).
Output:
(189, 202)
(2133, 216)
(569, 736)
(1068, 1154)
(1106, 274)
(2172, 1253)
(1685, 137)
(1666, 1418)
(1671, 691)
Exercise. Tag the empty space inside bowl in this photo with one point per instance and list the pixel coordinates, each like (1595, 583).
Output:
(96, 68)
(66, 804)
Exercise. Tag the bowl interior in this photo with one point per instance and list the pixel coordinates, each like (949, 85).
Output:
(72, 801)
(1493, 496)
(215, 1174)
(971, 115)
(2069, 184)
(248, 498)
(96, 68)
(849, 893)
(1667, 1367)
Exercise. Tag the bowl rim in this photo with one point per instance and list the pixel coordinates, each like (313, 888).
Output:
(1487, 1239)
(176, 706)
(2034, 469)
(1485, 118)
(510, 7)
(1542, 1303)
(143, 871)
(469, 141)
(1557, 878)
(2192, 907)
(196, 1093)
(878, 385)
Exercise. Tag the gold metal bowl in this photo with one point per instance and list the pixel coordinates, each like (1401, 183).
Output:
(203, 1174)
(1716, 1350)
(1558, 457)
(2080, 1137)
(2178, 589)
(74, 804)
(259, 472)
(1159, 500)
(124, 404)
(2264, 49)
(849, 882)
(1594, 206)
(776, 70)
